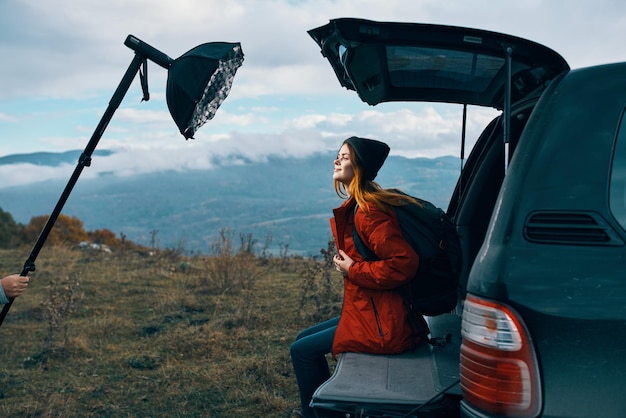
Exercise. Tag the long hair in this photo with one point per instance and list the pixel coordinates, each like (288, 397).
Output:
(367, 192)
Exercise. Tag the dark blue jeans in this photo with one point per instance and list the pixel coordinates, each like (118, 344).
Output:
(308, 356)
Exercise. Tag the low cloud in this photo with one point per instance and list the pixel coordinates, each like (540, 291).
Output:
(430, 132)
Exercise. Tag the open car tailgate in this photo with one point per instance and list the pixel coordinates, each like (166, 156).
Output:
(389, 61)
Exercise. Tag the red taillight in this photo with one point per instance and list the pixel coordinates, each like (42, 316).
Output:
(499, 371)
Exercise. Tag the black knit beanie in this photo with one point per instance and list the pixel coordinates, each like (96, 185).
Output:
(370, 154)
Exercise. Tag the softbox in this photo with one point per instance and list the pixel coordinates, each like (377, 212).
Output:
(199, 81)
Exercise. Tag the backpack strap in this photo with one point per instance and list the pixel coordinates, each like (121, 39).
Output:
(364, 250)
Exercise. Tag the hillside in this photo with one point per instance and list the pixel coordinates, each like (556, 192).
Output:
(290, 199)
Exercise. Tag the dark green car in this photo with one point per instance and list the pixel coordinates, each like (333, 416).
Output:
(540, 205)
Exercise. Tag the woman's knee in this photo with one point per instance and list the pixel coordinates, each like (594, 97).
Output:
(298, 349)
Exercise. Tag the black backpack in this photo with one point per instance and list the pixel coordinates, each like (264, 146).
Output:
(433, 236)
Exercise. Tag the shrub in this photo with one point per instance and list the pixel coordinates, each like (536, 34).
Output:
(319, 288)
(228, 269)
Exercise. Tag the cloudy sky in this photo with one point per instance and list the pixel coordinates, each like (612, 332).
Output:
(63, 59)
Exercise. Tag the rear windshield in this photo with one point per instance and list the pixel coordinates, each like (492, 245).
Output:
(441, 68)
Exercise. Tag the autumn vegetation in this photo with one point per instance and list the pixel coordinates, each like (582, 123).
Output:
(145, 332)
(67, 230)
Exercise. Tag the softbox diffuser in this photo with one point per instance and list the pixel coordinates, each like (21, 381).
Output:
(199, 81)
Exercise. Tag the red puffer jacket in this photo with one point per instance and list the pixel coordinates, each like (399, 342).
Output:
(373, 318)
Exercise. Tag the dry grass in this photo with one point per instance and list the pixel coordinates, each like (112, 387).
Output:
(153, 336)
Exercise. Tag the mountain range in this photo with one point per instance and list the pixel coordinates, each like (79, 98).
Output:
(291, 199)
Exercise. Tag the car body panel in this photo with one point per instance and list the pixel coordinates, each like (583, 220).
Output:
(570, 289)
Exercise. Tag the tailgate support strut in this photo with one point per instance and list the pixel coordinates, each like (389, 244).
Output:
(506, 123)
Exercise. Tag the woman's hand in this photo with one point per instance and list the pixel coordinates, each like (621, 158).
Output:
(343, 262)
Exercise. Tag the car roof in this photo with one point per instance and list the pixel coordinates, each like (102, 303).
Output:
(391, 61)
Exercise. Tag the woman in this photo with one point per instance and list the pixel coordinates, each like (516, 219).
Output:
(373, 318)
